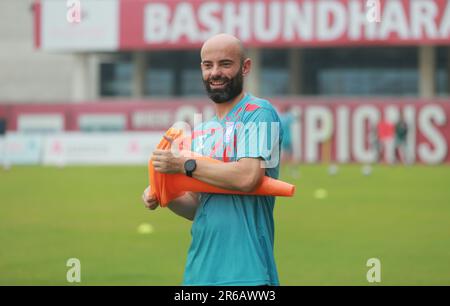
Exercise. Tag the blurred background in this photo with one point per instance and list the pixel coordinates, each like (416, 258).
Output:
(88, 87)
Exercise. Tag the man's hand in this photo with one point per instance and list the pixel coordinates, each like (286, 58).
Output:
(184, 206)
(149, 201)
(165, 162)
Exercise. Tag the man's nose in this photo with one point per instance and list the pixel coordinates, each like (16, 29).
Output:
(216, 72)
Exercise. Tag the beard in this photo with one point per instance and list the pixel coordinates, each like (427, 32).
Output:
(233, 87)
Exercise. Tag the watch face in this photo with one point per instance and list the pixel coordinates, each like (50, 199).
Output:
(190, 165)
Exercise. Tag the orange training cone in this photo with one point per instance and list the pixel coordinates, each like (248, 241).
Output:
(166, 187)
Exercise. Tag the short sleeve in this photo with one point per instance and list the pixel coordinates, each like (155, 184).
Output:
(259, 136)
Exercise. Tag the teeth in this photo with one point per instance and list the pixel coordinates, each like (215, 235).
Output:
(217, 83)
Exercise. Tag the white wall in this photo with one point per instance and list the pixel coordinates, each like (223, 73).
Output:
(27, 75)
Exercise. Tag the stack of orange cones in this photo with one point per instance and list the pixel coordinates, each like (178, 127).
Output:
(167, 187)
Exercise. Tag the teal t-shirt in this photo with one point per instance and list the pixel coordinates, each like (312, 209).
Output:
(233, 235)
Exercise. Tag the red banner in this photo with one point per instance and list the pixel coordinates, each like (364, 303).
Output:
(339, 130)
(165, 24)
(186, 24)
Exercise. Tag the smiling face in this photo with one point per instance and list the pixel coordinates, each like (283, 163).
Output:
(223, 68)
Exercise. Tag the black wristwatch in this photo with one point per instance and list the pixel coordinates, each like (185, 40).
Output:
(189, 167)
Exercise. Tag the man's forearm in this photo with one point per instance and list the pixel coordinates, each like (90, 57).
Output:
(185, 206)
(232, 175)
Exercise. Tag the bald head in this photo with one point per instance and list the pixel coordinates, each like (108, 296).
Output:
(224, 44)
(224, 67)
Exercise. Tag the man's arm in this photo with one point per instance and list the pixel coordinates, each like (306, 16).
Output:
(186, 205)
(244, 175)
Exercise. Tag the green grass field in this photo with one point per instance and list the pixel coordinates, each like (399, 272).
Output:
(399, 215)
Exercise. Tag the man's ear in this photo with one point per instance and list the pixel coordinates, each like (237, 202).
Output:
(246, 66)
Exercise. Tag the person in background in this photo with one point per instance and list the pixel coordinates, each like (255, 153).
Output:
(401, 133)
(385, 138)
(374, 141)
(287, 119)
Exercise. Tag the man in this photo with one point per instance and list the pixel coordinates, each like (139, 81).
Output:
(401, 133)
(232, 235)
(386, 140)
(287, 119)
